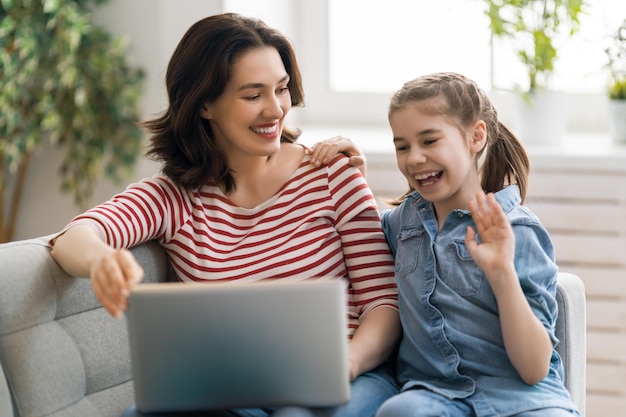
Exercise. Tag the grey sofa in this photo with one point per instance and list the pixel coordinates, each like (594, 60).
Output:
(62, 355)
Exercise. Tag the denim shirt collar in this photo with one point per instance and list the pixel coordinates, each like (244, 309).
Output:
(508, 198)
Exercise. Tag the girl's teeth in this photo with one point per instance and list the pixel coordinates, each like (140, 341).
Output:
(425, 176)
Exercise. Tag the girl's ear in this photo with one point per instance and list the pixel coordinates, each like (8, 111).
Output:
(205, 112)
(478, 137)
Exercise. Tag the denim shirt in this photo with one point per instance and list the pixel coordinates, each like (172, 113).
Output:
(452, 340)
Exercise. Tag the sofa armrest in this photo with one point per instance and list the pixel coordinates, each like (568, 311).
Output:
(571, 331)
(6, 409)
(53, 329)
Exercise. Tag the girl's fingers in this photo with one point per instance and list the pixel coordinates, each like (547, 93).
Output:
(497, 214)
(485, 210)
(322, 152)
(477, 213)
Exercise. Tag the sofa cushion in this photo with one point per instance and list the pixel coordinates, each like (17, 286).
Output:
(5, 396)
(63, 355)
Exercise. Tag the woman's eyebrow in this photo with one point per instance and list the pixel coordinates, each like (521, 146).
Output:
(261, 85)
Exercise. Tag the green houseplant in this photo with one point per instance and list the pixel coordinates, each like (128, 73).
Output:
(616, 53)
(616, 89)
(535, 29)
(66, 81)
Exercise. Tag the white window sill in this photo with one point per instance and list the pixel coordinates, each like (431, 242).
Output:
(578, 150)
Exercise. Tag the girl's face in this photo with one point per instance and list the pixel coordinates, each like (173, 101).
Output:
(248, 118)
(438, 160)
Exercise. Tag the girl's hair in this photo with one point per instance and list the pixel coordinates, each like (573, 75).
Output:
(197, 74)
(463, 103)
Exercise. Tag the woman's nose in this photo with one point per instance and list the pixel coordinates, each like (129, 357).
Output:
(273, 109)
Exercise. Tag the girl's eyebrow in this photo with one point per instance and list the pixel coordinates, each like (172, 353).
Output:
(424, 132)
(261, 85)
(428, 132)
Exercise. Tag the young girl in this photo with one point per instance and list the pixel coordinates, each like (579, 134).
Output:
(237, 199)
(476, 273)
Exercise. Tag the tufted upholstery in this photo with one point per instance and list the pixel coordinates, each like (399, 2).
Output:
(62, 355)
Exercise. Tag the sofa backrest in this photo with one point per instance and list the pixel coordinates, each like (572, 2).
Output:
(62, 354)
(571, 330)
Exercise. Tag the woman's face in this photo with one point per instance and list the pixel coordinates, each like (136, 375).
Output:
(248, 118)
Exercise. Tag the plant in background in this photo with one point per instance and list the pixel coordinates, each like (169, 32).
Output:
(534, 27)
(616, 53)
(66, 81)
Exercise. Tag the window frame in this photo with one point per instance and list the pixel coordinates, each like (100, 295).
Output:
(587, 112)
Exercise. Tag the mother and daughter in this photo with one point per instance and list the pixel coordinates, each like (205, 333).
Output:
(474, 278)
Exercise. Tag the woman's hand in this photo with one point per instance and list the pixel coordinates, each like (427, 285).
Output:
(82, 253)
(112, 278)
(323, 152)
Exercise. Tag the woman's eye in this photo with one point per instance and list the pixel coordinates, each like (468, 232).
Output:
(252, 98)
(401, 148)
(429, 141)
(283, 90)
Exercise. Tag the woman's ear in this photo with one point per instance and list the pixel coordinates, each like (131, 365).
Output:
(205, 112)
(478, 137)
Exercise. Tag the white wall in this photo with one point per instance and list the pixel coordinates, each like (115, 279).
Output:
(153, 29)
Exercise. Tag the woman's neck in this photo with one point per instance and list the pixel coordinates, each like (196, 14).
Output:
(258, 179)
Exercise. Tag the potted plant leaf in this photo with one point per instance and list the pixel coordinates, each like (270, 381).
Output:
(67, 82)
(535, 29)
(616, 53)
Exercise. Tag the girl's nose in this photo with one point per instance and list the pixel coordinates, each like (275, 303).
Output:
(416, 156)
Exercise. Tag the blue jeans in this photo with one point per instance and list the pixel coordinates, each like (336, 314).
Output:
(367, 393)
(424, 403)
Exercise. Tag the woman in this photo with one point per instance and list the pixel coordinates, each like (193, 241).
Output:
(238, 199)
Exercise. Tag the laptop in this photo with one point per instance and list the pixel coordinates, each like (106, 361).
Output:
(237, 345)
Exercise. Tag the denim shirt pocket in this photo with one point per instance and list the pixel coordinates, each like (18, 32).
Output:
(459, 271)
(407, 252)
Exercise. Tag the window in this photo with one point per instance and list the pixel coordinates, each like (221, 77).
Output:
(354, 53)
(375, 46)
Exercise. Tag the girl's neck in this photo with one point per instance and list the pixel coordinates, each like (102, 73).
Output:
(459, 201)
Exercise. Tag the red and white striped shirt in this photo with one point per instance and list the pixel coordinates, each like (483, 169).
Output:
(323, 222)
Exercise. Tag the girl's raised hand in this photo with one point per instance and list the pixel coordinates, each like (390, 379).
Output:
(324, 151)
(496, 250)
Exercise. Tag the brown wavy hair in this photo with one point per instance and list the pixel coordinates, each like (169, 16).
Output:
(503, 159)
(197, 74)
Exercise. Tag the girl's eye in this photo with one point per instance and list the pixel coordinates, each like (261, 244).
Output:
(254, 97)
(429, 141)
(401, 148)
(283, 90)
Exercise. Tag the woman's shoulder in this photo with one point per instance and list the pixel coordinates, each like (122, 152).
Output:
(161, 186)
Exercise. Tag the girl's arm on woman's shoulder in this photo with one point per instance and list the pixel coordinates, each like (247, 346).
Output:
(324, 151)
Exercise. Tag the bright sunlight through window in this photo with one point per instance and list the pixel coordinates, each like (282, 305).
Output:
(375, 46)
